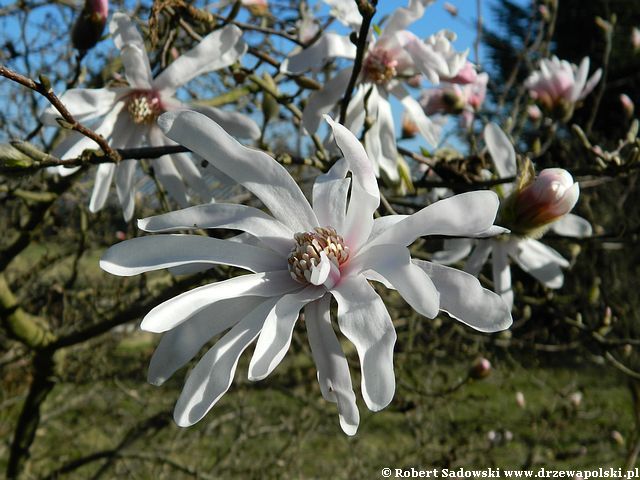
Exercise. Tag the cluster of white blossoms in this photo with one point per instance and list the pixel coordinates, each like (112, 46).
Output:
(301, 255)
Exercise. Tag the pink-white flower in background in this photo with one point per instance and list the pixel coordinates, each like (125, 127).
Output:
(396, 56)
(126, 116)
(543, 204)
(558, 85)
(301, 256)
(346, 13)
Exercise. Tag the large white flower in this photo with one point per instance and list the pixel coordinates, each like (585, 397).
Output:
(396, 56)
(544, 204)
(126, 116)
(301, 257)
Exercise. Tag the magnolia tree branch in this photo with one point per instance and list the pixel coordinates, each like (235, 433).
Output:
(43, 87)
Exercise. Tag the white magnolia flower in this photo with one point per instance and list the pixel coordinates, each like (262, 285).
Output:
(126, 116)
(544, 204)
(345, 12)
(393, 58)
(300, 256)
(558, 85)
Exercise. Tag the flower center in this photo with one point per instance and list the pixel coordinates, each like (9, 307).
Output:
(309, 251)
(144, 106)
(379, 66)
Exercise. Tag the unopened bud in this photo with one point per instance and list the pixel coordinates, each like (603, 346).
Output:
(90, 24)
(627, 105)
(481, 368)
(575, 399)
(635, 39)
(617, 437)
(451, 9)
(520, 400)
(13, 160)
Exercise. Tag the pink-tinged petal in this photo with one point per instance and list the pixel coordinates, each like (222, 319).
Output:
(275, 337)
(104, 177)
(323, 100)
(85, 104)
(178, 309)
(591, 84)
(330, 192)
(365, 196)
(502, 272)
(580, 80)
(427, 61)
(329, 46)
(333, 369)
(429, 130)
(464, 299)
(180, 345)
(402, 17)
(224, 215)
(235, 124)
(146, 254)
(192, 176)
(393, 263)
(461, 215)
(501, 151)
(253, 169)
(571, 225)
(212, 376)
(478, 257)
(364, 320)
(541, 262)
(453, 250)
(380, 138)
(217, 50)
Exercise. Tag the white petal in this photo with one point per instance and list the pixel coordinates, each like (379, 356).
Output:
(136, 66)
(217, 50)
(124, 32)
(323, 100)
(170, 179)
(394, 264)
(502, 272)
(478, 257)
(541, 262)
(180, 345)
(501, 151)
(333, 369)
(155, 252)
(276, 333)
(591, 84)
(212, 376)
(429, 130)
(104, 177)
(572, 225)
(253, 169)
(191, 175)
(85, 104)
(176, 310)
(453, 250)
(330, 196)
(329, 46)
(462, 297)
(224, 215)
(402, 17)
(236, 124)
(382, 224)
(381, 137)
(580, 79)
(365, 196)
(364, 320)
(461, 215)
(125, 171)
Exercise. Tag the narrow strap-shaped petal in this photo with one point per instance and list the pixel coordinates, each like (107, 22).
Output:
(381, 224)
(462, 297)
(580, 79)
(591, 84)
(179, 345)
(393, 263)
(364, 320)
(333, 370)
(224, 215)
(235, 124)
(191, 175)
(323, 100)
(170, 179)
(453, 250)
(253, 169)
(571, 225)
(212, 376)
(478, 257)
(128, 40)
(329, 46)
(428, 129)
(217, 50)
(155, 252)
(125, 171)
(124, 31)
(85, 104)
(176, 310)
(501, 151)
(330, 192)
(502, 272)
(402, 17)
(461, 215)
(275, 337)
(104, 177)
(365, 196)
(541, 262)
(427, 61)
(380, 138)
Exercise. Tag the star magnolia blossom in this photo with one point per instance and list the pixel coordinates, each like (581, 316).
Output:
(543, 204)
(558, 85)
(301, 257)
(396, 56)
(126, 116)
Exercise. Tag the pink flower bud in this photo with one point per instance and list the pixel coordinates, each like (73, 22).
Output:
(635, 38)
(89, 25)
(520, 400)
(550, 196)
(627, 105)
(534, 113)
(466, 75)
(481, 368)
